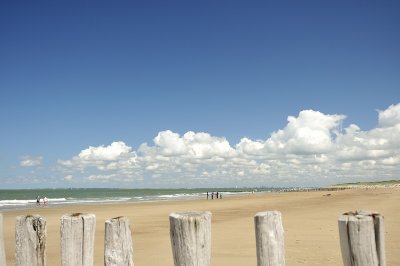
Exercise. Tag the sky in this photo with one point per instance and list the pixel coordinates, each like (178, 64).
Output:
(161, 94)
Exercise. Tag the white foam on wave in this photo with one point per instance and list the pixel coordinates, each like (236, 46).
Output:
(99, 200)
(27, 202)
(16, 202)
(176, 196)
(56, 199)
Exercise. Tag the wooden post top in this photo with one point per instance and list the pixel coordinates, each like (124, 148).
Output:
(190, 214)
(78, 215)
(360, 215)
(268, 213)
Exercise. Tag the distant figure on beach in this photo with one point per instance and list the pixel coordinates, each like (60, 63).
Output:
(207, 194)
(220, 195)
(37, 200)
(44, 201)
(212, 195)
(217, 194)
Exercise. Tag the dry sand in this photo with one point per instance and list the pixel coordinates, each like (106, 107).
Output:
(309, 219)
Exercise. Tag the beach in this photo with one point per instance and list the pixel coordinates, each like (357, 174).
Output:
(309, 220)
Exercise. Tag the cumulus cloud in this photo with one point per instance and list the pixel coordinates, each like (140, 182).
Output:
(108, 153)
(191, 145)
(250, 147)
(310, 149)
(27, 161)
(170, 143)
(115, 155)
(309, 133)
(312, 132)
(390, 116)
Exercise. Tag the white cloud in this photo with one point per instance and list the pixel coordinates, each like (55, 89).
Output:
(380, 142)
(309, 133)
(170, 143)
(310, 149)
(391, 161)
(27, 161)
(116, 155)
(191, 145)
(390, 116)
(250, 147)
(108, 153)
(312, 132)
(100, 177)
(203, 145)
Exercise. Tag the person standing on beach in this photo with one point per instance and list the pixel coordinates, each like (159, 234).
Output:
(207, 194)
(45, 201)
(38, 200)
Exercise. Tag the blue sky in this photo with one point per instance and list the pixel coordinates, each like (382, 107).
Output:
(77, 77)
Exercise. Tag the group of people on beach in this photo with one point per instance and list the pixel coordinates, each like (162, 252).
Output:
(217, 195)
(39, 200)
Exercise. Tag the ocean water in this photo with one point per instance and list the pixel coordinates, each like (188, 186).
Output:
(26, 198)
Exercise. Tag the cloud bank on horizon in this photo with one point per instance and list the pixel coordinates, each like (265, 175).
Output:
(312, 148)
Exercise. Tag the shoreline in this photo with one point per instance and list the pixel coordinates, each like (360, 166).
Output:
(13, 203)
(195, 196)
(309, 219)
(154, 199)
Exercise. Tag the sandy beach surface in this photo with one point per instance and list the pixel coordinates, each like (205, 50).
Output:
(309, 219)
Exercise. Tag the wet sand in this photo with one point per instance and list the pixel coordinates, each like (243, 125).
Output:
(309, 220)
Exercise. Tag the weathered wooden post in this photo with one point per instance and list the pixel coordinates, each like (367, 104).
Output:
(118, 249)
(362, 239)
(77, 239)
(2, 250)
(30, 240)
(269, 239)
(190, 234)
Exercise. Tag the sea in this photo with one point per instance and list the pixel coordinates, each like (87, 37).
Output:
(11, 199)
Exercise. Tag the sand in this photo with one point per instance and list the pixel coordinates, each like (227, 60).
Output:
(309, 219)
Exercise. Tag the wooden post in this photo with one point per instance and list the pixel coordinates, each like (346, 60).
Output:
(362, 239)
(2, 250)
(190, 234)
(269, 239)
(30, 241)
(118, 249)
(77, 239)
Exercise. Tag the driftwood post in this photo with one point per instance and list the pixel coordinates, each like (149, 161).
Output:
(30, 241)
(269, 239)
(77, 239)
(362, 239)
(190, 234)
(2, 250)
(118, 249)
